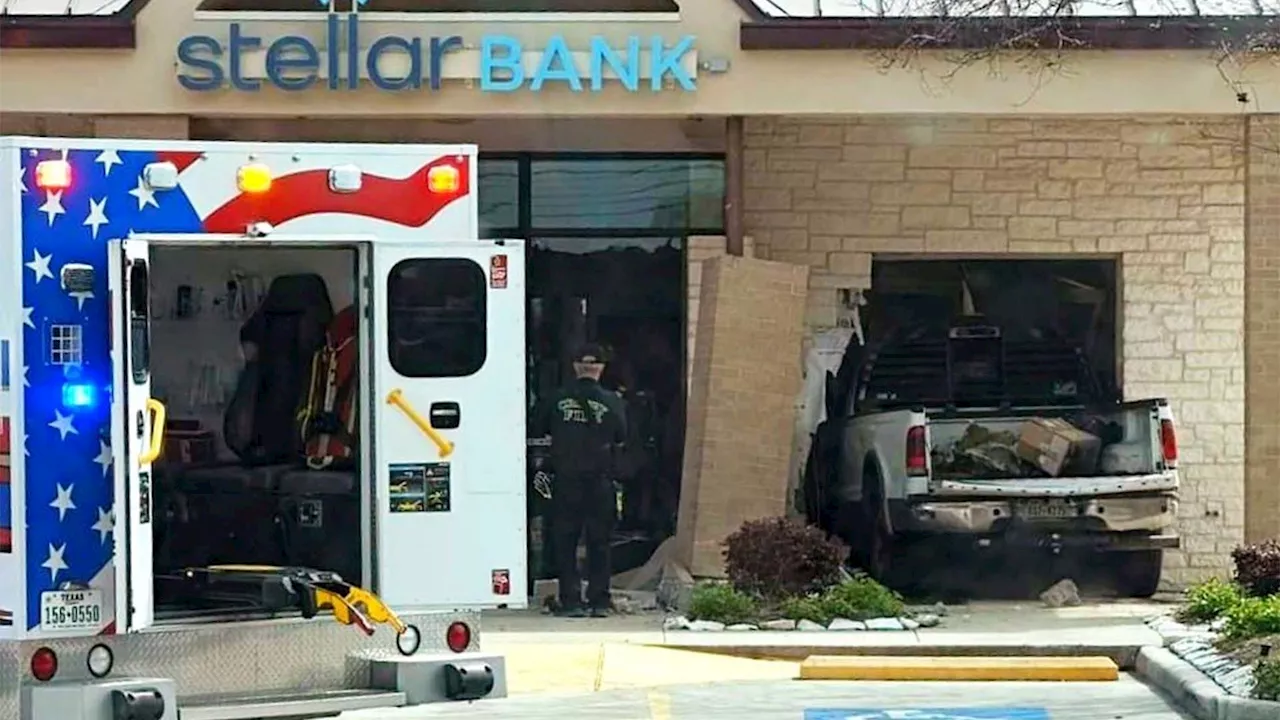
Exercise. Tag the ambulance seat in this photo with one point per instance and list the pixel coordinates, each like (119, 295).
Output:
(320, 520)
(238, 502)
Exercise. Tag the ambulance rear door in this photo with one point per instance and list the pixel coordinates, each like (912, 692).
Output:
(449, 432)
(137, 431)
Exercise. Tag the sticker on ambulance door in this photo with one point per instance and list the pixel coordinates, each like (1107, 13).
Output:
(498, 272)
(501, 582)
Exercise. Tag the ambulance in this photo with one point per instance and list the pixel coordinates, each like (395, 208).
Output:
(262, 429)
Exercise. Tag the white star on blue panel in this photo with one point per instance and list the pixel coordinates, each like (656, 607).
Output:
(63, 424)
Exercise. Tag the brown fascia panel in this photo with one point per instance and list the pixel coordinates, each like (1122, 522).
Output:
(1095, 33)
(73, 32)
(451, 6)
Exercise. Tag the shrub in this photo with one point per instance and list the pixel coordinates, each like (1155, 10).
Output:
(861, 598)
(1258, 567)
(778, 558)
(1210, 600)
(1266, 676)
(722, 603)
(1253, 617)
(806, 608)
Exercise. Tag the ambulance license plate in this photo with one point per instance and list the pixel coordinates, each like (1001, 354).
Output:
(71, 610)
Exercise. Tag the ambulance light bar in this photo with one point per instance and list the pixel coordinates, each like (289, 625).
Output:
(53, 174)
(160, 175)
(253, 178)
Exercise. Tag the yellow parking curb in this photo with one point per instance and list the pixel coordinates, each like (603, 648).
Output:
(1052, 669)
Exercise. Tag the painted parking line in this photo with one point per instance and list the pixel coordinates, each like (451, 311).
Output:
(998, 713)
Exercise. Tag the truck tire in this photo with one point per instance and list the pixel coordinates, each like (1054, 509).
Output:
(876, 539)
(1136, 574)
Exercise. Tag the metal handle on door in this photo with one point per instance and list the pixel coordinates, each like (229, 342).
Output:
(396, 397)
(156, 446)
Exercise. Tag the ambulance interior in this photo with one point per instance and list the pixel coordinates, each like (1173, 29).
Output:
(259, 465)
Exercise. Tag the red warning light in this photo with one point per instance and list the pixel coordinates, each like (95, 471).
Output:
(53, 174)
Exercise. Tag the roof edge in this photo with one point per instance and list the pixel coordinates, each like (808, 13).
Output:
(116, 31)
(1090, 33)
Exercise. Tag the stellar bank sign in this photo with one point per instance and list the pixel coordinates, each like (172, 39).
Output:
(501, 64)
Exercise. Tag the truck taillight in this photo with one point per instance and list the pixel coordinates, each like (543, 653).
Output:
(1168, 443)
(917, 462)
(457, 637)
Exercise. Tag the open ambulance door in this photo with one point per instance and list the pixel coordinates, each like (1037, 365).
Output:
(137, 432)
(449, 429)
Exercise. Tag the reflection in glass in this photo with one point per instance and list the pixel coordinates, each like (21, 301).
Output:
(602, 194)
(498, 194)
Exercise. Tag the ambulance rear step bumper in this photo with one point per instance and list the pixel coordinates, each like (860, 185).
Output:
(302, 705)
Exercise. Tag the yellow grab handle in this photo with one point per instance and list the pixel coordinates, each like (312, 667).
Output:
(156, 446)
(397, 398)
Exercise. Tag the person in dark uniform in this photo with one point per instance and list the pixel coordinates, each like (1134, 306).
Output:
(588, 426)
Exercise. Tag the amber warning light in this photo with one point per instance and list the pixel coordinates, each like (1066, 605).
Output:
(253, 178)
(53, 175)
(444, 179)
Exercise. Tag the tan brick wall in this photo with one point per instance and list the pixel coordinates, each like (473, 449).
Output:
(1262, 331)
(1165, 194)
(746, 373)
(702, 248)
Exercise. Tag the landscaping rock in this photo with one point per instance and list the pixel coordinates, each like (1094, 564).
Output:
(928, 620)
(1194, 644)
(676, 622)
(885, 624)
(742, 626)
(909, 624)
(782, 624)
(1063, 593)
(706, 626)
(808, 625)
(846, 624)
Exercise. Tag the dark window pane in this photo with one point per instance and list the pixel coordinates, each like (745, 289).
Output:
(140, 320)
(671, 194)
(436, 317)
(499, 194)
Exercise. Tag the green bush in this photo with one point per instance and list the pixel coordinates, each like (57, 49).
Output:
(1210, 600)
(722, 603)
(1253, 617)
(860, 598)
(1266, 675)
(806, 608)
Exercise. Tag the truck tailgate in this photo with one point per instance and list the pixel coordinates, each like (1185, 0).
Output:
(1059, 487)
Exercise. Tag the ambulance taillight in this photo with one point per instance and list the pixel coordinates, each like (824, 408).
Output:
(44, 664)
(53, 174)
(444, 179)
(458, 637)
(253, 178)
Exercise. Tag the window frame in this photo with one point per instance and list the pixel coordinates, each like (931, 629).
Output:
(475, 272)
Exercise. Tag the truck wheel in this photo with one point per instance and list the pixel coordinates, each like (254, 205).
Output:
(877, 540)
(1136, 574)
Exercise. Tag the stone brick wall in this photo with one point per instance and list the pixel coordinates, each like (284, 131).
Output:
(745, 376)
(1165, 195)
(1262, 331)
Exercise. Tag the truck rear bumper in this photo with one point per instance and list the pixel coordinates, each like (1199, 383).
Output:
(1134, 515)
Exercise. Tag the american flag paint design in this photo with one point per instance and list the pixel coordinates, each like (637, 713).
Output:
(69, 483)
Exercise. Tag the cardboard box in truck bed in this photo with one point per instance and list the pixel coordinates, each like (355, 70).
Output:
(1058, 447)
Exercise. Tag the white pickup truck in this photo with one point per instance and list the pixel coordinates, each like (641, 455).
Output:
(897, 473)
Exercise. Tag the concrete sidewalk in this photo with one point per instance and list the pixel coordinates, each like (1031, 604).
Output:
(1113, 629)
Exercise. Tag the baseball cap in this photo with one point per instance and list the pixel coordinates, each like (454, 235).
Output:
(589, 353)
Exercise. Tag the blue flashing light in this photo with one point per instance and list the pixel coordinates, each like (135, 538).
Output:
(79, 395)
